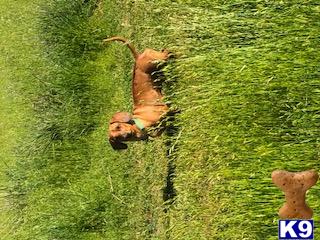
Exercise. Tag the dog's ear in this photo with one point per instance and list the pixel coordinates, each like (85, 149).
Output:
(123, 117)
(117, 145)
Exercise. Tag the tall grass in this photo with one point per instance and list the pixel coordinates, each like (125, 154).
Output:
(246, 80)
(18, 66)
(68, 182)
(248, 90)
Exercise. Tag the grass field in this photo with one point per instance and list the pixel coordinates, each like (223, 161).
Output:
(18, 62)
(245, 77)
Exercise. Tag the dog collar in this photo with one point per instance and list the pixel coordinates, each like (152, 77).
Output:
(138, 123)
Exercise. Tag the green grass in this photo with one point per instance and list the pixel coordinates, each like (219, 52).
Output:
(255, 109)
(18, 64)
(246, 79)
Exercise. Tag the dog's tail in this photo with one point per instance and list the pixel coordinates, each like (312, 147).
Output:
(126, 42)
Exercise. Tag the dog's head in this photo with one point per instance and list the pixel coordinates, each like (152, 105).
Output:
(121, 129)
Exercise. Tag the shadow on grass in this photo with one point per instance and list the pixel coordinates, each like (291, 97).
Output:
(172, 133)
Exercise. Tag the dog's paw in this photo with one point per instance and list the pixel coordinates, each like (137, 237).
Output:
(169, 54)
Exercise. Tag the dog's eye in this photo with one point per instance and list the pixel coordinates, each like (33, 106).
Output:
(118, 127)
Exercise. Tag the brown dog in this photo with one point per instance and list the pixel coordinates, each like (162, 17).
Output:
(147, 99)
